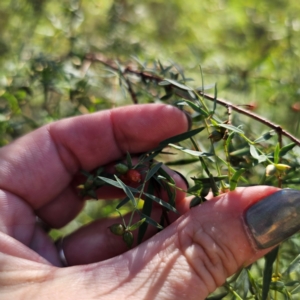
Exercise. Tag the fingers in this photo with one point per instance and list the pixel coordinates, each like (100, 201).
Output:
(95, 242)
(67, 205)
(39, 166)
(191, 257)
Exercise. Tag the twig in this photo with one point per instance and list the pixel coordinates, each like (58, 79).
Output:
(94, 57)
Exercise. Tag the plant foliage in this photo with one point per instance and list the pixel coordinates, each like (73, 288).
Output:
(71, 57)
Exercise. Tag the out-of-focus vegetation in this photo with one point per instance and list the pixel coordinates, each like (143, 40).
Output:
(250, 48)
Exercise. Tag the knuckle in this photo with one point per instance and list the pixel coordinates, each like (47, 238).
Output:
(208, 256)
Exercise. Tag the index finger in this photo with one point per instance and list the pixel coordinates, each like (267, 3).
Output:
(40, 165)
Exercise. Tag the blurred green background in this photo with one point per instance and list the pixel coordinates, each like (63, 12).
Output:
(250, 48)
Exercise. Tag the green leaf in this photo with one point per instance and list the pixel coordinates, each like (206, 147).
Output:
(180, 137)
(293, 267)
(166, 96)
(284, 150)
(206, 87)
(268, 271)
(149, 156)
(170, 191)
(146, 210)
(195, 188)
(197, 108)
(150, 221)
(265, 136)
(231, 127)
(195, 201)
(175, 83)
(136, 225)
(128, 160)
(205, 180)
(218, 297)
(153, 170)
(123, 202)
(181, 162)
(235, 178)
(191, 152)
(161, 202)
(296, 290)
(240, 152)
(276, 154)
(111, 182)
(126, 190)
(255, 154)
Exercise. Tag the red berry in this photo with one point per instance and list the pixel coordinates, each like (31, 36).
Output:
(133, 175)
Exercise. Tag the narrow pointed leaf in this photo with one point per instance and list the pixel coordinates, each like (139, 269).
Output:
(126, 190)
(296, 290)
(181, 162)
(175, 83)
(191, 152)
(111, 182)
(276, 154)
(240, 152)
(170, 191)
(217, 297)
(293, 267)
(266, 136)
(232, 128)
(123, 202)
(205, 180)
(150, 221)
(181, 137)
(146, 210)
(136, 225)
(153, 170)
(235, 178)
(128, 160)
(197, 108)
(268, 271)
(284, 150)
(161, 202)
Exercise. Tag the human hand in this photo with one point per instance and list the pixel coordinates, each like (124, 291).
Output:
(190, 258)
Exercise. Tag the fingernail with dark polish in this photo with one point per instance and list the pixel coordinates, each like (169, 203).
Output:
(184, 179)
(189, 119)
(274, 218)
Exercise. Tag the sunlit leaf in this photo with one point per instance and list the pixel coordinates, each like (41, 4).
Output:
(175, 83)
(191, 152)
(136, 225)
(232, 128)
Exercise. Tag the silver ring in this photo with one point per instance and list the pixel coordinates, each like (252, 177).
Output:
(60, 251)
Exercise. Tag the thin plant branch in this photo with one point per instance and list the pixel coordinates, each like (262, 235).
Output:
(147, 76)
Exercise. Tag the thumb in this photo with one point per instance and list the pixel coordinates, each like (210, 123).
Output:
(195, 254)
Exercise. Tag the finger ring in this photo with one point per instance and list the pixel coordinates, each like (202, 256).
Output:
(60, 251)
